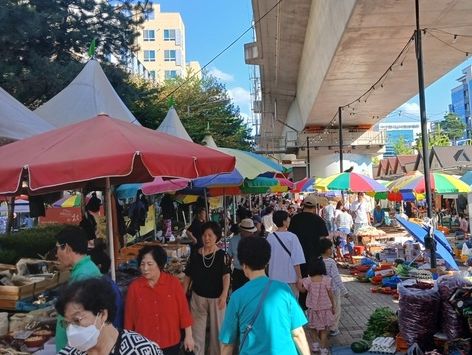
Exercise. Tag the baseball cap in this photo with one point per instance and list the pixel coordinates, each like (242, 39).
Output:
(310, 200)
(247, 224)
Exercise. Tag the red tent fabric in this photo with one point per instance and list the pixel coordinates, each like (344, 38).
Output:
(102, 147)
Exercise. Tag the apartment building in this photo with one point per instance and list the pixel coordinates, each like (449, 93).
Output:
(162, 45)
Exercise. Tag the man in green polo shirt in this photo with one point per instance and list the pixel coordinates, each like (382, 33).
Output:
(72, 253)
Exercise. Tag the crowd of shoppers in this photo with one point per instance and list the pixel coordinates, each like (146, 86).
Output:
(167, 316)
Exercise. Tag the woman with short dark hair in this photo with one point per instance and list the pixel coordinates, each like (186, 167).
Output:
(88, 308)
(278, 328)
(156, 305)
(208, 272)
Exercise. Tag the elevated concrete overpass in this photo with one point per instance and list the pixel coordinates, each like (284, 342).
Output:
(317, 55)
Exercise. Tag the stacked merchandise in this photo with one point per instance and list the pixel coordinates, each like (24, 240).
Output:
(412, 251)
(28, 332)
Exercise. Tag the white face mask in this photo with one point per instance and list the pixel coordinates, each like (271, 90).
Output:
(83, 338)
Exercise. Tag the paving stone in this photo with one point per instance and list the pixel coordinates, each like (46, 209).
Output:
(356, 310)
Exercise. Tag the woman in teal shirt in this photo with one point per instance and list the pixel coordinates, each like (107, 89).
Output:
(278, 328)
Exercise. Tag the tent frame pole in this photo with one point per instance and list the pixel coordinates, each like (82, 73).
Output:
(108, 212)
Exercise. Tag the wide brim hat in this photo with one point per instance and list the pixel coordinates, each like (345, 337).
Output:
(247, 225)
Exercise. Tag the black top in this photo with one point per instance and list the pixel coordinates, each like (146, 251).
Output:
(309, 228)
(167, 206)
(207, 276)
(196, 229)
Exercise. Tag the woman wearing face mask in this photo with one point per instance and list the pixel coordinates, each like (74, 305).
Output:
(156, 305)
(88, 308)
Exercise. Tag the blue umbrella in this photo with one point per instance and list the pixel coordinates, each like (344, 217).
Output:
(443, 249)
(230, 179)
(126, 191)
(467, 178)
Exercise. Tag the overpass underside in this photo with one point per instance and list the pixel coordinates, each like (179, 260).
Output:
(317, 55)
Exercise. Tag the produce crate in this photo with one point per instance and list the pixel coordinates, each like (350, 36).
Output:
(16, 292)
(46, 284)
(63, 277)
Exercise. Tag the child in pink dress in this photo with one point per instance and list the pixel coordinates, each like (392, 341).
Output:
(320, 303)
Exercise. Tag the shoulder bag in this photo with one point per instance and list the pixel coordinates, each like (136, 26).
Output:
(283, 245)
(258, 310)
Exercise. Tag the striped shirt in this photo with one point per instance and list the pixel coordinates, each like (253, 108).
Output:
(332, 271)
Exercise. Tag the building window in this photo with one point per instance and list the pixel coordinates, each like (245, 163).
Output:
(170, 74)
(152, 74)
(149, 56)
(170, 55)
(169, 35)
(150, 15)
(149, 35)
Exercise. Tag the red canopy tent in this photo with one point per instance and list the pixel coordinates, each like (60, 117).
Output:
(99, 152)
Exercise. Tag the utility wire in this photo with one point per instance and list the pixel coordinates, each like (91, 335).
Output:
(223, 51)
(448, 44)
(455, 35)
(400, 58)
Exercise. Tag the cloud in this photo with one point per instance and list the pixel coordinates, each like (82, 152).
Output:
(221, 75)
(410, 108)
(241, 97)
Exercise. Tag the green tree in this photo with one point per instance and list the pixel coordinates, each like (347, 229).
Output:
(436, 138)
(401, 147)
(453, 126)
(42, 42)
(202, 101)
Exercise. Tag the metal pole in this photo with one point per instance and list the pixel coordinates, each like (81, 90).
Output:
(424, 130)
(207, 210)
(108, 213)
(234, 209)
(308, 172)
(341, 143)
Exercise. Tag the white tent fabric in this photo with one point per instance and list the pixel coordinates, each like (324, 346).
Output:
(209, 141)
(88, 95)
(17, 121)
(173, 126)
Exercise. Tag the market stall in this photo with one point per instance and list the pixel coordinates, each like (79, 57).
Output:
(27, 294)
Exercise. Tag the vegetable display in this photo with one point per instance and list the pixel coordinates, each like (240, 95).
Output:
(382, 322)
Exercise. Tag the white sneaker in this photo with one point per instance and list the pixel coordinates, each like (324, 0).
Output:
(315, 347)
(334, 333)
(324, 351)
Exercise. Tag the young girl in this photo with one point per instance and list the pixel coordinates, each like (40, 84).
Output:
(320, 304)
(326, 247)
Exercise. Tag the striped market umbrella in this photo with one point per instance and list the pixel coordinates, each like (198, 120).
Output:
(305, 185)
(352, 182)
(69, 201)
(440, 184)
(467, 178)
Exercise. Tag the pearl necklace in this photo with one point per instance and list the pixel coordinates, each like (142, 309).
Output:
(205, 258)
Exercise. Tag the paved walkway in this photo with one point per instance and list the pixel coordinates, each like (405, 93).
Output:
(357, 309)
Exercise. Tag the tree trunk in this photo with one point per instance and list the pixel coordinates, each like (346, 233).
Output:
(11, 211)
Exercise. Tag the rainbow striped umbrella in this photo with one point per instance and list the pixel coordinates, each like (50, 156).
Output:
(352, 182)
(69, 201)
(304, 185)
(440, 184)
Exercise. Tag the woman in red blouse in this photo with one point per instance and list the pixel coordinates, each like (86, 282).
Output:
(156, 305)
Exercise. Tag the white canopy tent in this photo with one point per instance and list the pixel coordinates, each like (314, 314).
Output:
(173, 126)
(17, 121)
(88, 95)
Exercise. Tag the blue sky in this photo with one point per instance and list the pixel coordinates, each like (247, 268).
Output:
(213, 24)
(438, 95)
(210, 26)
